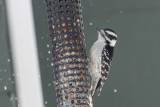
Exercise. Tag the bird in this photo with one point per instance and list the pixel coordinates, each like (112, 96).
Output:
(100, 58)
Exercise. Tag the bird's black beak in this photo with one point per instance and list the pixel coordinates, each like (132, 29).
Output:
(100, 31)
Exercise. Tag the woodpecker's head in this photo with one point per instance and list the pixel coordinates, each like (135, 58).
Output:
(109, 36)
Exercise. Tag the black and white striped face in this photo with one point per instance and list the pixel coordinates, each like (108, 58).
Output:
(109, 35)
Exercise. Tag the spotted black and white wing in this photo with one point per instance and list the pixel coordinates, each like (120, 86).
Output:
(107, 55)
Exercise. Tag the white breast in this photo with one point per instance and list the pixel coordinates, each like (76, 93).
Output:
(95, 58)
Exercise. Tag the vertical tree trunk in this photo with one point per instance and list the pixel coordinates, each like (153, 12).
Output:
(69, 53)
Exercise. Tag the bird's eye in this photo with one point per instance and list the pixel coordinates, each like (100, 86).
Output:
(111, 37)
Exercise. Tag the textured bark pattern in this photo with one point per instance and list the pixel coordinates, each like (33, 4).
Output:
(69, 53)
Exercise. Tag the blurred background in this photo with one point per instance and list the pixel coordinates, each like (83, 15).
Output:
(134, 76)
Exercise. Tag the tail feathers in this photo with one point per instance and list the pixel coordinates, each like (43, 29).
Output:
(100, 86)
(97, 85)
(94, 86)
(99, 89)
